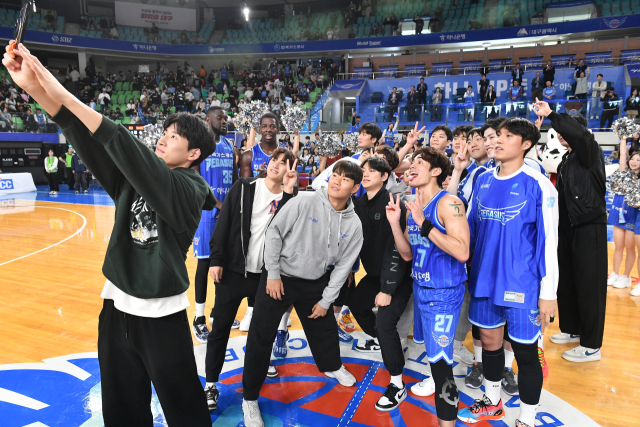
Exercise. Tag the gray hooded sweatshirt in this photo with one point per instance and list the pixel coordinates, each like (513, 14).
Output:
(307, 236)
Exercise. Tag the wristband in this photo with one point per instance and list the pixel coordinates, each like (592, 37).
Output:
(427, 226)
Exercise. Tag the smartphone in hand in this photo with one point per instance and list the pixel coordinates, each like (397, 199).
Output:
(21, 24)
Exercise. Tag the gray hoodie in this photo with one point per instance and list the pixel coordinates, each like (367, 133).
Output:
(583, 85)
(307, 236)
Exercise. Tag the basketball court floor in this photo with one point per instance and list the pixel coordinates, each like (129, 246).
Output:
(51, 254)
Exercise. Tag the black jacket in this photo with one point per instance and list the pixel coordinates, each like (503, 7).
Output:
(484, 85)
(379, 255)
(230, 241)
(517, 74)
(581, 176)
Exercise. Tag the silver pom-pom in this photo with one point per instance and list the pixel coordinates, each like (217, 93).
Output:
(633, 196)
(294, 119)
(351, 141)
(626, 183)
(150, 134)
(329, 145)
(250, 115)
(625, 127)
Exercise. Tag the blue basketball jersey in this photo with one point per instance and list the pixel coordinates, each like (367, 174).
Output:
(513, 221)
(536, 165)
(466, 186)
(217, 170)
(433, 267)
(259, 157)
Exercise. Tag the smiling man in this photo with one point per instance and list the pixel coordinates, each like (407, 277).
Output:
(253, 161)
(309, 250)
(474, 149)
(143, 330)
(513, 220)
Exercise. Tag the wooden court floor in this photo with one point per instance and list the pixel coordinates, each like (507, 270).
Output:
(50, 282)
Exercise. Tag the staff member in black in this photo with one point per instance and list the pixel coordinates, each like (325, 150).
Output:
(483, 85)
(582, 237)
(517, 73)
(421, 90)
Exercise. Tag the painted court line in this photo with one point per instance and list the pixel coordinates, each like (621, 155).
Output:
(55, 244)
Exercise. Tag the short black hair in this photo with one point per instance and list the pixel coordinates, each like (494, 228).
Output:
(214, 108)
(390, 155)
(195, 131)
(494, 124)
(270, 116)
(288, 155)
(581, 119)
(378, 164)
(349, 169)
(523, 128)
(473, 131)
(358, 116)
(372, 130)
(435, 160)
(462, 129)
(600, 75)
(445, 129)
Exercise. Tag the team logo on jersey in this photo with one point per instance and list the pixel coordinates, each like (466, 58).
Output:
(196, 240)
(503, 215)
(376, 216)
(534, 317)
(343, 235)
(442, 340)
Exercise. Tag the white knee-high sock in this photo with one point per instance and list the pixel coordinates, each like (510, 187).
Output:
(528, 414)
(200, 310)
(477, 351)
(283, 322)
(508, 358)
(492, 391)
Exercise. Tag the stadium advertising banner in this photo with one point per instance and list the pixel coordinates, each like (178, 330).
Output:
(630, 56)
(500, 81)
(165, 18)
(470, 66)
(390, 71)
(442, 67)
(532, 63)
(598, 58)
(363, 72)
(497, 64)
(630, 21)
(414, 70)
(560, 61)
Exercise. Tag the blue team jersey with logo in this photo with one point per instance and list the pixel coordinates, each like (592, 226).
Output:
(513, 221)
(259, 157)
(432, 267)
(217, 171)
(466, 186)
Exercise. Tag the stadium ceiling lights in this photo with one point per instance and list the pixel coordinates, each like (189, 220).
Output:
(246, 11)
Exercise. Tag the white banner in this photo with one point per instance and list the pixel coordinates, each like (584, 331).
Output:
(16, 183)
(165, 18)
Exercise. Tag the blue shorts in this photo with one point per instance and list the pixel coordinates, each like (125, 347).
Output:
(439, 311)
(524, 324)
(201, 239)
(621, 214)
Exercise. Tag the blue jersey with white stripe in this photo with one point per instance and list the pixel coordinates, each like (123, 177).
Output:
(433, 267)
(259, 157)
(465, 188)
(513, 221)
(536, 165)
(217, 170)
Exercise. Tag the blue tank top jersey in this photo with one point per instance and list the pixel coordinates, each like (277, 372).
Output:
(432, 267)
(515, 90)
(513, 225)
(259, 157)
(217, 170)
(548, 91)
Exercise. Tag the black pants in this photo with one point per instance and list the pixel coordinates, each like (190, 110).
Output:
(52, 177)
(383, 326)
(135, 351)
(413, 111)
(582, 285)
(230, 292)
(70, 176)
(81, 180)
(607, 116)
(392, 109)
(321, 333)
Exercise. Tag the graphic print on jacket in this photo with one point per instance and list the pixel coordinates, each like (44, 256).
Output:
(143, 223)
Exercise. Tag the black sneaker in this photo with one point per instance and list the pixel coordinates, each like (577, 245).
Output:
(371, 346)
(391, 398)
(510, 382)
(475, 377)
(272, 371)
(212, 394)
(200, 329)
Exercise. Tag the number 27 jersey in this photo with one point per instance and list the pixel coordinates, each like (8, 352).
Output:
(431, 266)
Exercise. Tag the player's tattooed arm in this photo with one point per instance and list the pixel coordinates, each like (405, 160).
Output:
(451, 214)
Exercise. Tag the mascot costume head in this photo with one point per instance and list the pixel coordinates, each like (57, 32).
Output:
(553, 152)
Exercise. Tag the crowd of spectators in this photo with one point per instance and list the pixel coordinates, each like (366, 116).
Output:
(109, 30)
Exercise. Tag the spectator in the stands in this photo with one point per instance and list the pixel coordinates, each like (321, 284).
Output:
(50, 20)
(469, 99)
(549, 92)
(582, 84)
(536, 87)
(609, 109)
(114, 33)
(436, 100)
(215, 102)
(580, 68)
(41, 120)
(598, 90)
(516, 91)
(490, 96)
(131, 108)
(352, 34)
(84, 22)
(483, 85)
(104, 24)
(184, 39)
(474, 24)
(434, 24)
(154, 29)
(118, 114)
(517, 73)
(5, 120)
(392, 103)
(103, 100)
(30, 123)
(413, 104)
(631, 104)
